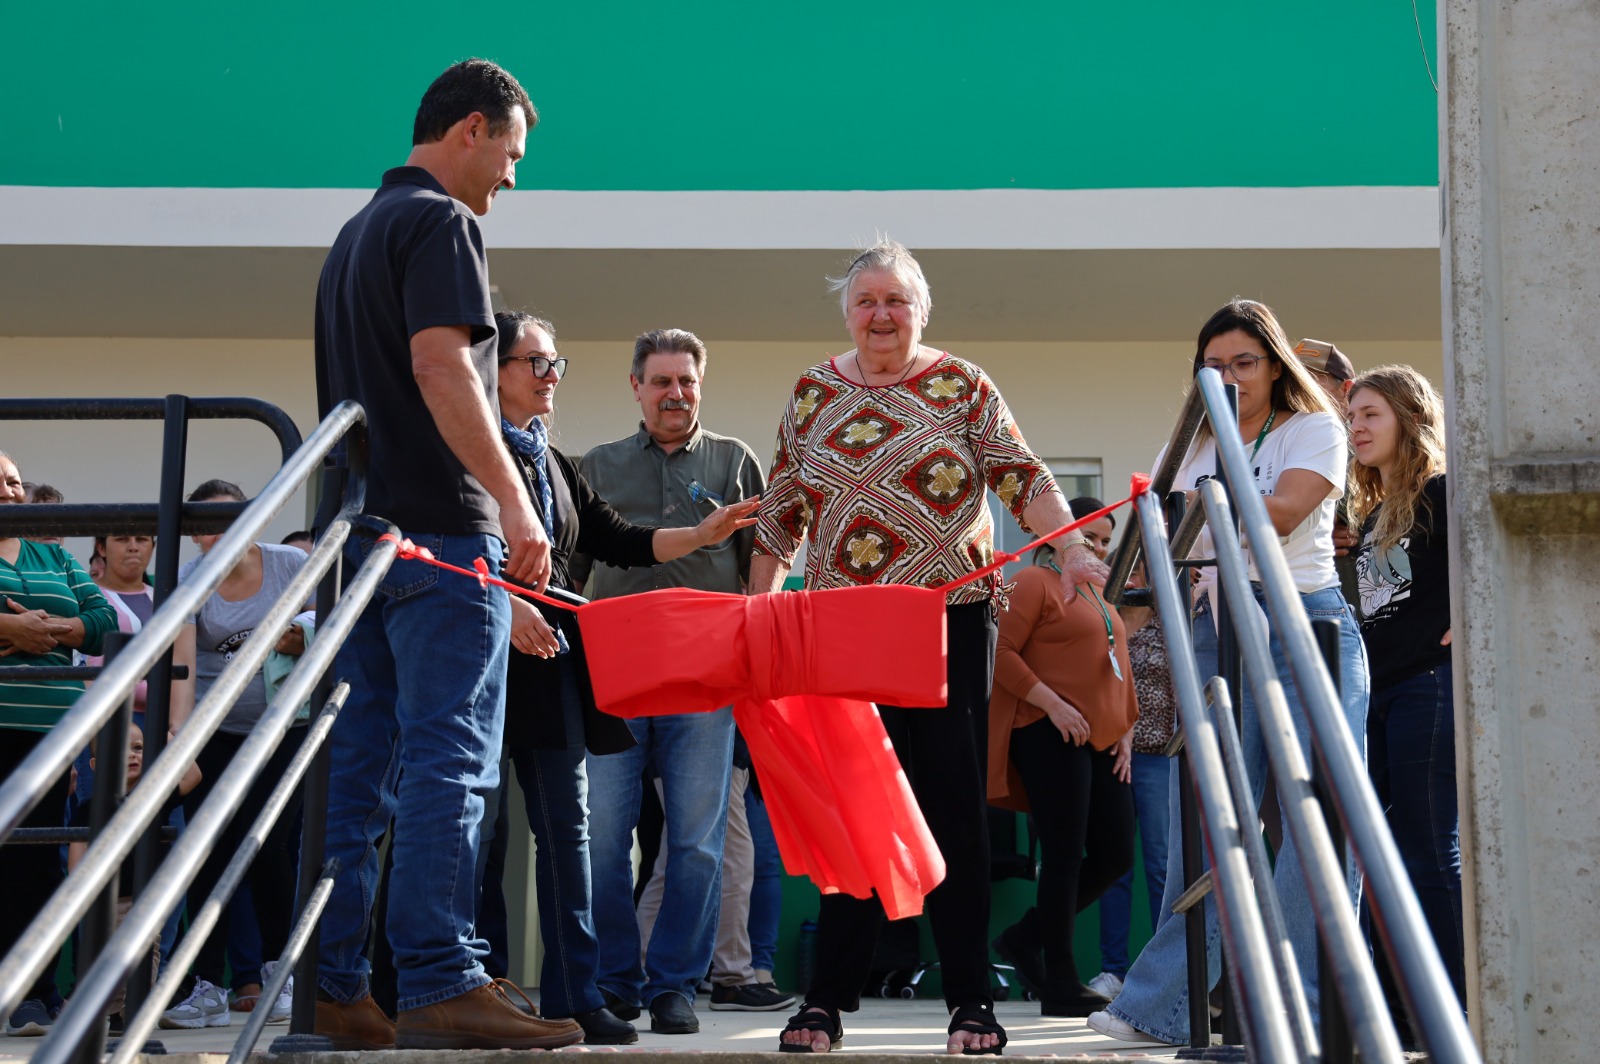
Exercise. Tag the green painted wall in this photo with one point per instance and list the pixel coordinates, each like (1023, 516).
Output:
(639, 94)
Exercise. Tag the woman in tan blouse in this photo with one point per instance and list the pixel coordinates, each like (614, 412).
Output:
(1060, 725)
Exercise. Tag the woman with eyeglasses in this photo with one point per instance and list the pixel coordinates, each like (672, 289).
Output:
(1298, 454)
(551, 717)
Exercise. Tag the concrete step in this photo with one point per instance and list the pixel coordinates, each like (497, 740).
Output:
(880, 1031)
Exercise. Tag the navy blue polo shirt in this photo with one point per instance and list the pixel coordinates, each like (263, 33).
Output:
(412, 259)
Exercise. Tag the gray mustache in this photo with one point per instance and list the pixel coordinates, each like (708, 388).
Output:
(675, 404)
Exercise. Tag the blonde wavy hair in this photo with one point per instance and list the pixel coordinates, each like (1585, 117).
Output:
(1419, 454)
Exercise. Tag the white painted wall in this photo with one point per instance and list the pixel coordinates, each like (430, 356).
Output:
(1109, 401)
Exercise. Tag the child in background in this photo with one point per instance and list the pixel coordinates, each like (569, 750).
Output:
(76, 850)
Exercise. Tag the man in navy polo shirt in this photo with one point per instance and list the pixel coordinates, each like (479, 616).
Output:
(404, 327)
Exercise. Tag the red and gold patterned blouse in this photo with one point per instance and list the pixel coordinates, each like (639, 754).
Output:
(887, 484)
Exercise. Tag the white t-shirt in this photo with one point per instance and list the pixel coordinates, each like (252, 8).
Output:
(1299, 441)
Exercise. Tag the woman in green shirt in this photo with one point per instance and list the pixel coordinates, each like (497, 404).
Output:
(48, 608)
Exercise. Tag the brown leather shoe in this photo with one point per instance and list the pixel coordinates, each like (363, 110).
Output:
(484, 1018)
(354, 1026)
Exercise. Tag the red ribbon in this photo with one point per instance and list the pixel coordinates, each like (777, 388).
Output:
(478, 572)
(1138, 485)
(803, 686)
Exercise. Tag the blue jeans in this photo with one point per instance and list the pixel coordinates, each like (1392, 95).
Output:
(418, 743)
(555, 785)
(1411, 741)
(1150, 797)
(1155, 998)
(693, 754)
(766, 887)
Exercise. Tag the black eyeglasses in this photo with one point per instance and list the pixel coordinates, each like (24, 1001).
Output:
(542, 365)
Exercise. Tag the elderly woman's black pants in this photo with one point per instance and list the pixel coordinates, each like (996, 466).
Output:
(944, 752)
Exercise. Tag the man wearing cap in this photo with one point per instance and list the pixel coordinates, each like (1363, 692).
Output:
(1332, 368)
(1335, 374)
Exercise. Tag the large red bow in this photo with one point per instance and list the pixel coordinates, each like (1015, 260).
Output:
(802, 670)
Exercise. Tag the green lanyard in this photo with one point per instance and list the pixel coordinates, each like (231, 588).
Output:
(1262, 438)
(1105, 615)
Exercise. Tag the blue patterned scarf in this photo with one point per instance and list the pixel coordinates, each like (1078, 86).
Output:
(533, 444)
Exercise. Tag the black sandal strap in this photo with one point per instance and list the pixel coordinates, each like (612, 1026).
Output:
(818, 1018)
(978, 1018)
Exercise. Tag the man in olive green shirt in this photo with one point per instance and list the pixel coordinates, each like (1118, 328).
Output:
(670, 473)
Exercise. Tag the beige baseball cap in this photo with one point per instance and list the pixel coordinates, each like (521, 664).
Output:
(1323, 357)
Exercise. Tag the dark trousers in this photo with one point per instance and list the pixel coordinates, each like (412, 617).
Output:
(32, 873)
(1411, 756)
(272, 874)
(944, 752)
(1084, 817)
(555, 788)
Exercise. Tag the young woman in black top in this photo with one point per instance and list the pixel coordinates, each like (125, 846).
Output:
(1397, 499)
(550, 712)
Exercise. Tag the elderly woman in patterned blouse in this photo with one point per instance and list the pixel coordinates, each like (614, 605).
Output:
(883, 457)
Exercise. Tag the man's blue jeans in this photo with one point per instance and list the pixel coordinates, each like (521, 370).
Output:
(1150, 798)
(1155, 997)
(693, 754)
(418, 742)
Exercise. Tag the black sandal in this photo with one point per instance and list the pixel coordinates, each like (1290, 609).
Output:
(813, 1018)
(978, 1019)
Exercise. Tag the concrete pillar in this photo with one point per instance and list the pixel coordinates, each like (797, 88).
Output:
(1520, 169)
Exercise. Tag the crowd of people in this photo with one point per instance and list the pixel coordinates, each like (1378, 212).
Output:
(1059, 703)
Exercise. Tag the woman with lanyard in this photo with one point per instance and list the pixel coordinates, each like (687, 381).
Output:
(1060, 721)
(1299, 455)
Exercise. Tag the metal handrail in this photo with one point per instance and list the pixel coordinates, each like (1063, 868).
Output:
(89, 519)
(1244, 934)
(1255, 852)
(1357, 983)
(1183, 433)
(1402, 929)
(77, 1034)
(23, 790)
(194, 846)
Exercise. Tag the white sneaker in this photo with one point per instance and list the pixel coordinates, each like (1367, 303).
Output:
(1108, 1025)
(285, 1003)
(1107, 984)
(206, 1006)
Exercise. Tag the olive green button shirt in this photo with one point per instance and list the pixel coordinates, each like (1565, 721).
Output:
(648, 486)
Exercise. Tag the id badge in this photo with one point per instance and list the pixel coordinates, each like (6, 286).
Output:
(1115, 667)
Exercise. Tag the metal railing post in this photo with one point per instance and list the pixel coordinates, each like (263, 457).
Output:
(1239, 917)
(158, 700)
(110, 780)
(1194, 927)
(1337, 1047)
(1324, 885)
(1231, 669)
(314, 818)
